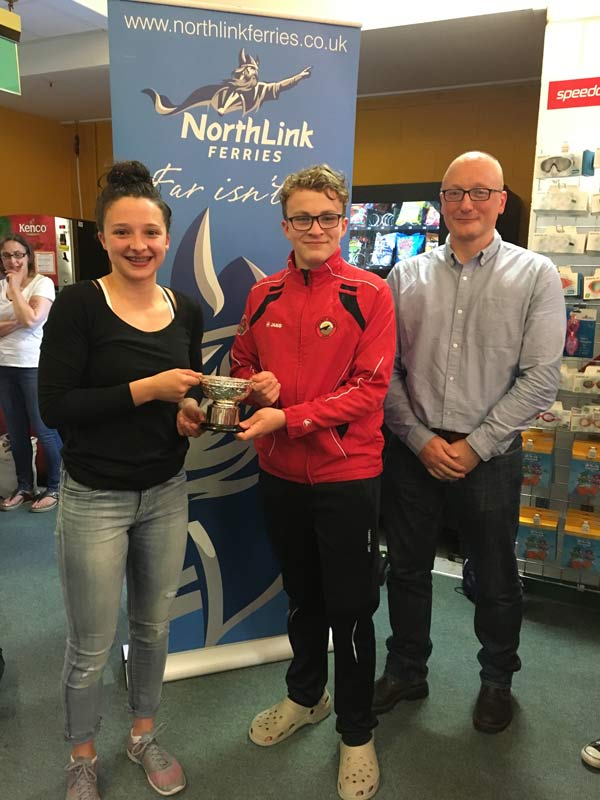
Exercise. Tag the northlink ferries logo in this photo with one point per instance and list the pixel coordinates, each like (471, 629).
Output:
(243, 92)
(230, 588)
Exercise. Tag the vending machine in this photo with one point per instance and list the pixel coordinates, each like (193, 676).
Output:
(392, 222)
(66, 250)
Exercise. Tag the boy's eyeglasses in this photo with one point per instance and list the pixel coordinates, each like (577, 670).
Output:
(304, 222)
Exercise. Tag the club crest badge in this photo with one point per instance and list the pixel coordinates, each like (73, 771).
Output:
(326, 327)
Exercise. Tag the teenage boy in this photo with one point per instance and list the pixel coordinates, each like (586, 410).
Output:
(318, 341)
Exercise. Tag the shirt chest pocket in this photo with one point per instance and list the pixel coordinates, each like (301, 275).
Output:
(498, 322)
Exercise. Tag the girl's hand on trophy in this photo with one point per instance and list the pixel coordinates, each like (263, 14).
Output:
(190, 418)
(265, 389)
(261, 423)
(170, 386)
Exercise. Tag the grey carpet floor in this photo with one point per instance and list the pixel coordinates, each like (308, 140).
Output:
(427, 749)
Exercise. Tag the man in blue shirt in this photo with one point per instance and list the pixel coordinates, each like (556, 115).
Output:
(480, 334)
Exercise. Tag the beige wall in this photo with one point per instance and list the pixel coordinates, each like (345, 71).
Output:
(36, 166)
(412, 138)
(95, 158)
(399, 139)
(39, 165)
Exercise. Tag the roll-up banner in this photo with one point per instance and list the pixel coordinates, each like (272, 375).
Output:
(221, 106)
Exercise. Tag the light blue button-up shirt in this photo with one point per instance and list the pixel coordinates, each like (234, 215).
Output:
(479, 345)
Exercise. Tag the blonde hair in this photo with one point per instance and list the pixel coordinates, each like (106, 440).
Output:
(318, 178)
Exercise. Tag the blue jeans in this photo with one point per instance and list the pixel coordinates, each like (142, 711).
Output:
(19, 401)
(102, 536)
(487, 502)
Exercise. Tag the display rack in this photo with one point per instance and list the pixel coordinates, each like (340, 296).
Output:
(556, 496)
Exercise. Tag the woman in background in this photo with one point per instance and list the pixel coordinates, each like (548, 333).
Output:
(119, 354)
(25, 302)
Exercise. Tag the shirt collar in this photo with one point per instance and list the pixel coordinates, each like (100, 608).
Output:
(332, 262)
(484, 255)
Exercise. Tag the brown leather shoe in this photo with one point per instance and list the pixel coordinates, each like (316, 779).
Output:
(389, 691)
(493, 710)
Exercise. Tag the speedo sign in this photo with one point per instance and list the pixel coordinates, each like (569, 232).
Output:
(571, 94)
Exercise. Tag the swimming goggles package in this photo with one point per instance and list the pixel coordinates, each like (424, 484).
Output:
(581, 332)
(587, 382)
(563, 199)
(570, 281)
(592, 244)
(586, 419)
(559, 239)
(555, 418)
(563, 165)
(591, 286)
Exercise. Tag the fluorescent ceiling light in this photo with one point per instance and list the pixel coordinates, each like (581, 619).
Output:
(575, 9)
(99, 6)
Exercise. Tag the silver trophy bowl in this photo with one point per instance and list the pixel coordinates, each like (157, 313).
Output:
(223, 414)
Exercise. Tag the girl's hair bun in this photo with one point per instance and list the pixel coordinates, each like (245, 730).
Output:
(126, 173)
(129, 179)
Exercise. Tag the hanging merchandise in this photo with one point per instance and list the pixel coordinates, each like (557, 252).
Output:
(563, 198)
(581, 331)
(555, 418)
(571, 282)
(592, 244)
(587, 163)
(561, 165)
(588, 381)
(559, 239)
(591, 286)
(586, 419)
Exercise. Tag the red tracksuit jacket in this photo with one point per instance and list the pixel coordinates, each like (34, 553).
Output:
(328, 335)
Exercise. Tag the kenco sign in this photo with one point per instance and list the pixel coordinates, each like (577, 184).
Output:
(571, 94)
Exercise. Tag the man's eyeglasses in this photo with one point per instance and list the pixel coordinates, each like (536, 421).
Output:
(304, 222)
(18, 254)
(478, 194)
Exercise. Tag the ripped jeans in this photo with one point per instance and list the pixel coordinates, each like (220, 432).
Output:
(102, 536)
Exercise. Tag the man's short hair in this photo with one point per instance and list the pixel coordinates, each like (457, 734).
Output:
(318, 178)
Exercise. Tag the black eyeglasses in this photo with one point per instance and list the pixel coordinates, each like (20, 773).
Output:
(17, 254)
(304, 222)
(478, 194)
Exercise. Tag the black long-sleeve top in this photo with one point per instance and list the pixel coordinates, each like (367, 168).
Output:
(88, 358)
